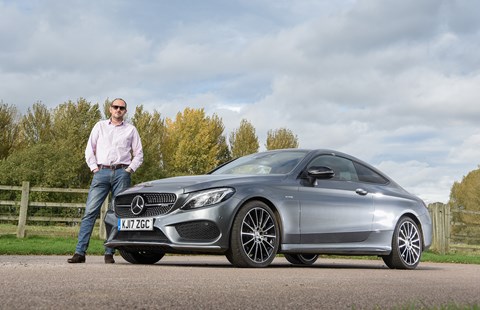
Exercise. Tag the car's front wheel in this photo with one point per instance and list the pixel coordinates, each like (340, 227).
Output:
(254, 237)
(301, 259)
(141, 257)
(406, 245)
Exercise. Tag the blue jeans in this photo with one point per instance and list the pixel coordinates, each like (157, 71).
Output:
(104, 181)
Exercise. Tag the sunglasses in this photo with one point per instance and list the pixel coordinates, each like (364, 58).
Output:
(116, 107)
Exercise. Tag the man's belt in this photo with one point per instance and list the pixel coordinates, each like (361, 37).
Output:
(113, 167)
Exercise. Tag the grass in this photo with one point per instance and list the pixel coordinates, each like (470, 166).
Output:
(56, 240)
(44, 245)
(459, 258)
(45, 240)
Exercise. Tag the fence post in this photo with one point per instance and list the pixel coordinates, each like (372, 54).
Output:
(22, 217)
(440, 214)
(448, 225)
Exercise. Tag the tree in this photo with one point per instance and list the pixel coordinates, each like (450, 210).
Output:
(282, 138)
(55, 153)
(192, 142)
(151, 128)
(74, 121)
(466, 195)
(72, 124)
(8, 129)
(223, 151)
(243, 141)
(106, 108)
(36, 126)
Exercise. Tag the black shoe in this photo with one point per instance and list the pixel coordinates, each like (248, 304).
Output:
(77, 258)
(109, 259)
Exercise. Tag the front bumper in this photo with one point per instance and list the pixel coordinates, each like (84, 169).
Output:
(203, 230)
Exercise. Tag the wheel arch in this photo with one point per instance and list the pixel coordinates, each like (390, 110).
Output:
(270, 204)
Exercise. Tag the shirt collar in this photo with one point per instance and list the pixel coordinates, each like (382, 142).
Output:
(110, 122)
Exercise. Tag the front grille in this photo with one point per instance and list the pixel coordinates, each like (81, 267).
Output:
(156, 204)
(150, 198)
(198, 230)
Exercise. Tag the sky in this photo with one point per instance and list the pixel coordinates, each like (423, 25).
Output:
(394, 83)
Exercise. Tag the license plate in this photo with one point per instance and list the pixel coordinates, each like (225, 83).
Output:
(135, 224)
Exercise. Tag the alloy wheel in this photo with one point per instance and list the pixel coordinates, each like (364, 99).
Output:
(409, 243)
(258, 235)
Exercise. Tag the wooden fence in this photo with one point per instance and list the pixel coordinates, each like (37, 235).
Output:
(25, 203)
(443, 239)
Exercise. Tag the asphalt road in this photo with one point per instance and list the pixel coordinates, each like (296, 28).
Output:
(210, 282)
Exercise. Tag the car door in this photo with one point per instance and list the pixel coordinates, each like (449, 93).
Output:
(336, 210)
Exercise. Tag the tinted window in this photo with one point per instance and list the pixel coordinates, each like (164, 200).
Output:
(366, 174)
(344, 168)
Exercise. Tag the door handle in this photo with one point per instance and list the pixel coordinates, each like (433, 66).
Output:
(361, 191)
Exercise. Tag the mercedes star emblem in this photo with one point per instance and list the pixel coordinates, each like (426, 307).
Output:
(138, 205)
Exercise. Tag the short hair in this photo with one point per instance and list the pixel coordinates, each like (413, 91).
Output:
(118, 99)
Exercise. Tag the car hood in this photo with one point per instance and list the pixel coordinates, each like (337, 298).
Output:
(185, 184)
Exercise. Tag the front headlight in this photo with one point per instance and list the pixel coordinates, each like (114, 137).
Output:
(208, 197)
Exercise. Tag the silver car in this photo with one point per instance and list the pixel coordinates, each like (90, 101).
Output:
(299, 203)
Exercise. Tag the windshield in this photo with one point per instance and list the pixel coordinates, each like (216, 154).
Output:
(279, 162)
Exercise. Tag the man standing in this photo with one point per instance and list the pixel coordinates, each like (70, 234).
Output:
(110, 148)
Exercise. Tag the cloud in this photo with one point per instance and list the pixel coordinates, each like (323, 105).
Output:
(391, 82)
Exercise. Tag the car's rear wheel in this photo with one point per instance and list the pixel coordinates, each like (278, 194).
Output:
(254, 237)
(406, 245)
(301, 259)
(141, 257)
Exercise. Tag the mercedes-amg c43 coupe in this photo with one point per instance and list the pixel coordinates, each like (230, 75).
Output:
(295, 202)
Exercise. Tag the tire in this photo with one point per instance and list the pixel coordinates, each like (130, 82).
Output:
(406, 245)
(301, 259)
(141, 257)
(254, 238)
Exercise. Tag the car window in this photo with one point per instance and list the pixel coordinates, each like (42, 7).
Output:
(280, 162)
(366, 174)
(344, 168)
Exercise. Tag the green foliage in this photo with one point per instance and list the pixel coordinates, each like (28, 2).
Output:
(56, 158)
(8, 129)
(244, 140)
(151, 128)
(73, 122)
(282, 138)
(466, 196)
(223, 155)
(106, 109)
(192, 142)
(36, 126)
(28, 164)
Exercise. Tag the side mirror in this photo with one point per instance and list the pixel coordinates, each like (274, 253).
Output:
(320, 172)
(317, 173)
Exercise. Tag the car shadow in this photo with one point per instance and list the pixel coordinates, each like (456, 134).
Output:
(282, 265)
(219, 262)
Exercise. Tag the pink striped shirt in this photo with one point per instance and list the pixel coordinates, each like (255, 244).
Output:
(109, 144)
